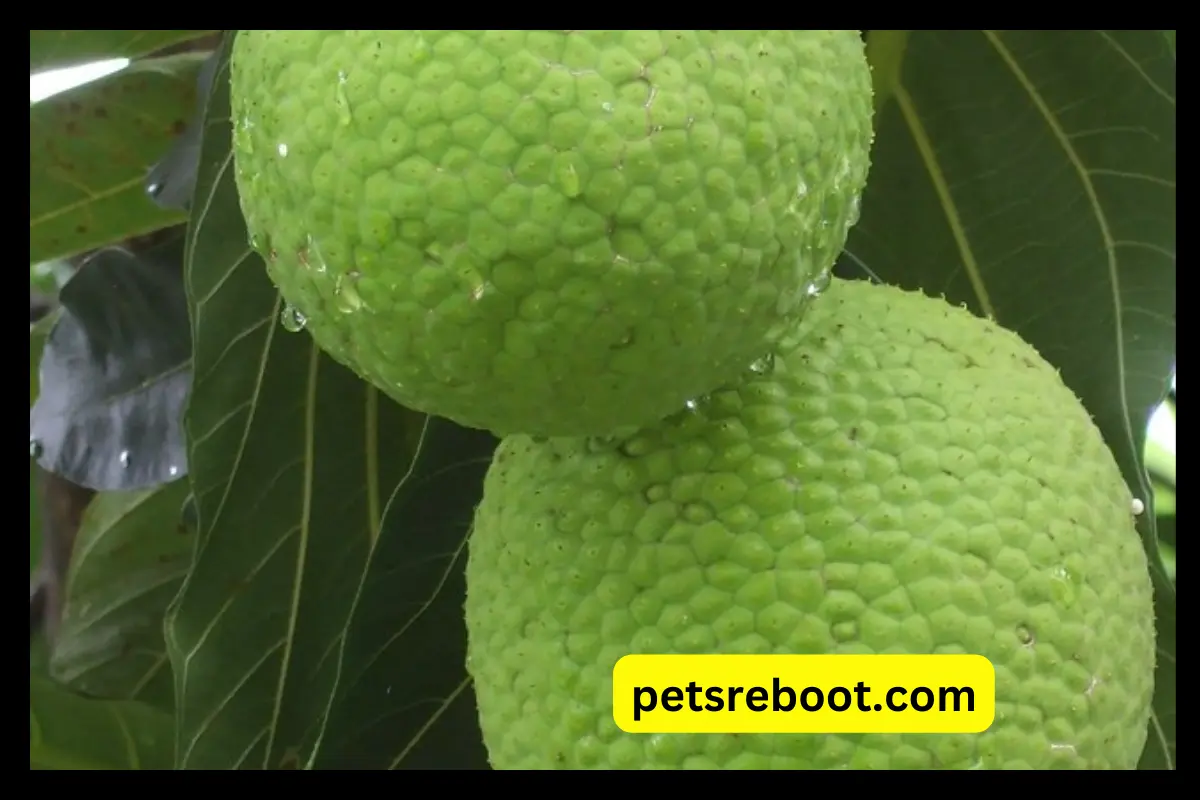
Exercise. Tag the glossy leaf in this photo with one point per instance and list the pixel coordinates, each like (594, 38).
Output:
(173, 179)
(71, 732)
(1031, 175)
(404, 700)
(91, 147)
(115, 373)
(129, 561)
(57, 49)
(292, 457)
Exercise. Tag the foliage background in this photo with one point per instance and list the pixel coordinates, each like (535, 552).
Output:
(248, 559)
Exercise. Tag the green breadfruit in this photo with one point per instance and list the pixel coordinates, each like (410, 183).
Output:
(909, 478)
(548, 232)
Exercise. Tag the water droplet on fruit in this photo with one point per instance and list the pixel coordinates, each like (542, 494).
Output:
(819, 283)
(172, 470)
(801, 189)
(1062, 587)
(855, 211)
(291, 319)
(608, 107)
(692, 405)
(568, 179)
(763, 366)
(35, 448)
(124, 459)
(153, 189)
(282, 149)
(341, 102)
(1025, 635)
(242, 139)
(345, 295)
(1138, 507)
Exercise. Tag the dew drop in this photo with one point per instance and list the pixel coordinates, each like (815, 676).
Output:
(153, 189)
(801, 189)
(341, 102)
(291, 319)
(607, 107)
(124, 459)
(242, 139)
(345, 295)
(568, 180)
(282, 149)
(173, 470)
(692, 405)
(763, 366)
(855, 212)
(35, 448)
(1138, 507)
(819, 283)
(1062, 588)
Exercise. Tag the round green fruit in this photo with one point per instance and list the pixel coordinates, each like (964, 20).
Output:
(548, 232)
(909, 478)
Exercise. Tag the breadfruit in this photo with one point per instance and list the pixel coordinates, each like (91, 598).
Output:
(909, 478)
(548, 232)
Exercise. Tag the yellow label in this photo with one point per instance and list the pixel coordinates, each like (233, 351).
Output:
(804, 694)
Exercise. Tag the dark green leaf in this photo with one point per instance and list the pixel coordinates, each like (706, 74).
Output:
(404, 700)
(173, 179)
(56, 49)
(128, 564)
(1160, 752)
(89, 151)
(71, 732)
(115, 373)
(288, 454)
(1031, 175)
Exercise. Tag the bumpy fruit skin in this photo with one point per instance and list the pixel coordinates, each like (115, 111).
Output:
(909, 479)
(549, 232)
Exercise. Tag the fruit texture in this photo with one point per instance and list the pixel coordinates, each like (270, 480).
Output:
(548, 232)
(909, 478)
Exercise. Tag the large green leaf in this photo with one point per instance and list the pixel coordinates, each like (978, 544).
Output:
(404, 700)
(129, 561)
(71, 732)
(55, 49)
(1031, 175)
(291, 459)
(91, 147)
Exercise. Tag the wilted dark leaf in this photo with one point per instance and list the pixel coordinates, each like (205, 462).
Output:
(57, 49)
(71, 732)
(291, 458)
(1031, 175)
(173, 179)
(91, 147)
(128, 564)
(404, 700)
(115, 373)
